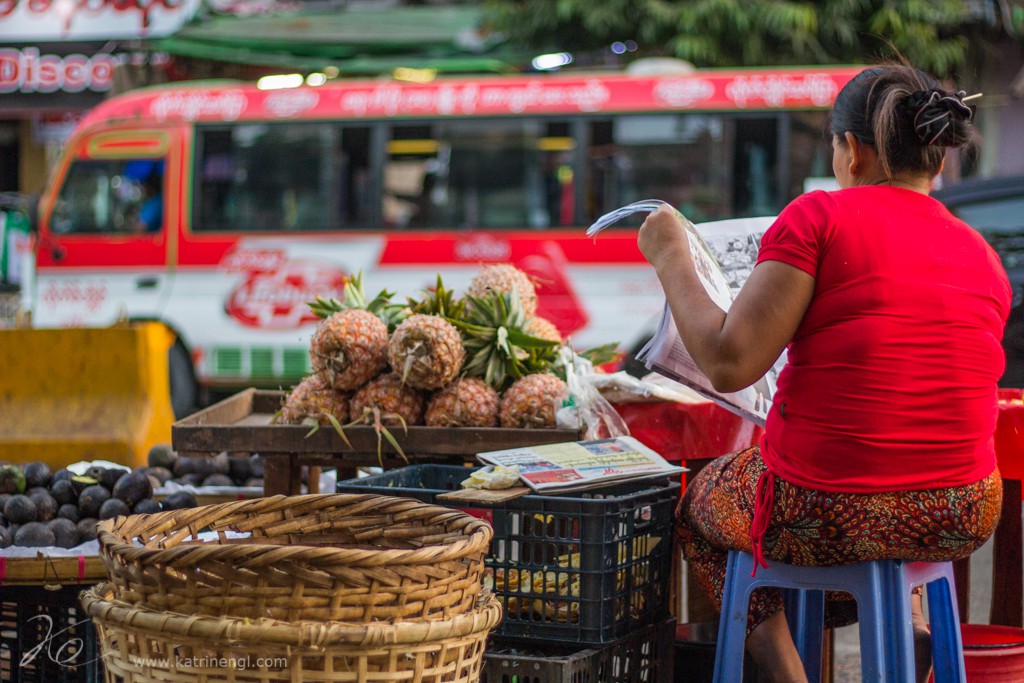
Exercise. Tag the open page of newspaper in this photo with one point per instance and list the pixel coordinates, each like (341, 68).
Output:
(724, 253)
(580, 465)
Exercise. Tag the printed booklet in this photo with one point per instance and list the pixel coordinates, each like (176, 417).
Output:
(579, 465)
(724, 253)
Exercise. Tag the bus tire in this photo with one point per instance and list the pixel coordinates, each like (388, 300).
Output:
(182, 379)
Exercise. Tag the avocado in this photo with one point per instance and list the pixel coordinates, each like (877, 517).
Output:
(12, 479)
(114, 507)
(87, 529)
(63, 491)
(218, 480)
(201, 465)
(6, 537)
(239, 468)
(37, 474)
(107, 476)
(63, 474)
(91, 498)
(4, 497)
(146, 506)
(161, 473)
(82, 482)
(256, 465)
(65, 532)
(46, 505)
(185, 465)
(192, 479)
(133, 487)
(161, 455)
(69, 511)
(178, 501)
(34, 535)
(20, 509)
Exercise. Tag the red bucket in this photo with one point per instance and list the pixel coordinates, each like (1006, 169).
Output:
(993, 654)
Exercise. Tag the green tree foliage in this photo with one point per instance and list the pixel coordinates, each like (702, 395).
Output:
(745, 32)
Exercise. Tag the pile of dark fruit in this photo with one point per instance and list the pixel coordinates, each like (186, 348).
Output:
(220, 470)
(40, 508)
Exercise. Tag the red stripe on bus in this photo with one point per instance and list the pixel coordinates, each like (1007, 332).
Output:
(487, 248)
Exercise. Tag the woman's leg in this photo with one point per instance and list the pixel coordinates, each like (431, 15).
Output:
(714, 516)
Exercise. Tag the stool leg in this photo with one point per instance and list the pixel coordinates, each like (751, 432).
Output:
(886, 628)
(947, 646)
(732, 624)
(805, 614)
(897, 588)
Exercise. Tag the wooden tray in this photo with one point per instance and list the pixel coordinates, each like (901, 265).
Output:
(242, 424)
(51, 571)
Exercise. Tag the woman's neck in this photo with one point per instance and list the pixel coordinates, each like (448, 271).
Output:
(920, 184)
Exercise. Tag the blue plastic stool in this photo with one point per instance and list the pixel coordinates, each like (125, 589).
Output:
(882, 591)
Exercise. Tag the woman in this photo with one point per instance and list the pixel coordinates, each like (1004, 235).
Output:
(879, 442)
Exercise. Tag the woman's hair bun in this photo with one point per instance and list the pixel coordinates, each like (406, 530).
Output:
(939, 118)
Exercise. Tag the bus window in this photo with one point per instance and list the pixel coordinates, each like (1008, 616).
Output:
(680, 158)
(119, 196)
(294, 176)
(479, 174)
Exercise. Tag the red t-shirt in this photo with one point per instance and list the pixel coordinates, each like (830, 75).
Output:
(891, 379)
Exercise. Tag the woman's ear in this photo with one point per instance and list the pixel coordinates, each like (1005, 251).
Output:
(856, 161)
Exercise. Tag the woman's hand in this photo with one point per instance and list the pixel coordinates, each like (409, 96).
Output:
(662, 239)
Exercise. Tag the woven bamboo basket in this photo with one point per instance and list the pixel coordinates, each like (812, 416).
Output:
(331, 557)
(140, 645)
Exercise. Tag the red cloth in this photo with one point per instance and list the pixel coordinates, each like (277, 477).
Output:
(891, 381)
(1010, 434)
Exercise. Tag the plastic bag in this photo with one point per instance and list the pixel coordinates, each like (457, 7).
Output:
(587, 409)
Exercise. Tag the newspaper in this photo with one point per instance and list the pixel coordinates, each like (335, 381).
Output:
(580, 465)
(724, 253)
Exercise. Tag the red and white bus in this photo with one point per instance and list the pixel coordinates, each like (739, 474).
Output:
(271, 196)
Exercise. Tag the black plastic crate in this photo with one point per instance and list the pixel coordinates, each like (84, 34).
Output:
(644, 657)
(46, 637)
(585, 568)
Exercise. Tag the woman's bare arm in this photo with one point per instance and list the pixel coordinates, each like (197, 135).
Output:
(732, 349)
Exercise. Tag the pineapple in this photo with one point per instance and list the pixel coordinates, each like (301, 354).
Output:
(503, 277)
(349, 348)
(387, 400)
(314, 402)
(543, 328)
(384, 401)
(499, 350)
(426, 350)
(530, 403)
(466, 402)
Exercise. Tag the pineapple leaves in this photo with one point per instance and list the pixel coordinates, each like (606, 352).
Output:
(498, 347)
(354, 296)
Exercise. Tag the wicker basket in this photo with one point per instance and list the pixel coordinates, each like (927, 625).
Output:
(141, 645)
(332, 557)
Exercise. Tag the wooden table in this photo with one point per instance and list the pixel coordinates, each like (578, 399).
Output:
(243, 424)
